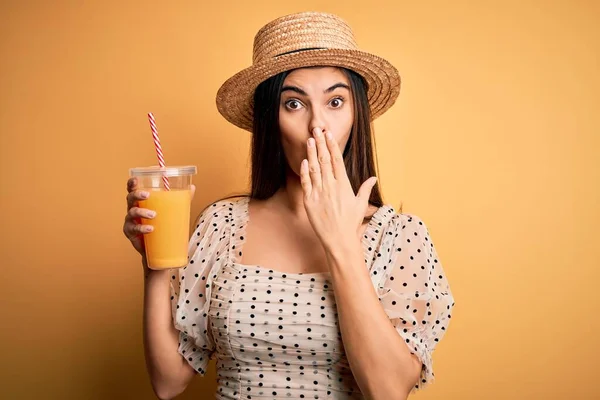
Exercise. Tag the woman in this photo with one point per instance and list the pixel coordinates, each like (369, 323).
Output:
(310, 287)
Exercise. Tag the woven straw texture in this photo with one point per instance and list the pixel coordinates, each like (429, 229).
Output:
(305, 40)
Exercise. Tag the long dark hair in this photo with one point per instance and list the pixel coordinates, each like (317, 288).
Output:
(269, 164)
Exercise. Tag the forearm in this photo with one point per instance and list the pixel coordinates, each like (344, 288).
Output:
(380, 360)
(168, 371)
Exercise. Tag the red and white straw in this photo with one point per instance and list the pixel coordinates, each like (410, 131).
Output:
(159, 153)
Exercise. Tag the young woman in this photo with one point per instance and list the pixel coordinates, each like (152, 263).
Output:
(309, 287)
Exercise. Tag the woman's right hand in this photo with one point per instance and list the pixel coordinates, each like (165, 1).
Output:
(133, 228)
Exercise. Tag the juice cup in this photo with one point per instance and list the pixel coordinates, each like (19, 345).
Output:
(167, 245)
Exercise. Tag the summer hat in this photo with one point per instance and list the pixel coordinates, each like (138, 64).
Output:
(303, 40)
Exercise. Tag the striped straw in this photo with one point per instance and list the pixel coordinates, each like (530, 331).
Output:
(159, 153)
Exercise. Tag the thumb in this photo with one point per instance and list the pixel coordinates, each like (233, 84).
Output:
(364, 193)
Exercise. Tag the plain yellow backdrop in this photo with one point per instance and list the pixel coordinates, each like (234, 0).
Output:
(494, 142)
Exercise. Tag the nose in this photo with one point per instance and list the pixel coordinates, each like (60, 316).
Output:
(317, 120)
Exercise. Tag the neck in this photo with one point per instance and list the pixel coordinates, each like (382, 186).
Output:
(291, 197)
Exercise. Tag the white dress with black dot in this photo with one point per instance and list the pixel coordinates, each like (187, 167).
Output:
(275, 334)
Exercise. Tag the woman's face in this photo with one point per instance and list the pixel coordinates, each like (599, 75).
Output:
(314, 98)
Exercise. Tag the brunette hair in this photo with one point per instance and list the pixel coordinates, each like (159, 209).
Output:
(267, 157)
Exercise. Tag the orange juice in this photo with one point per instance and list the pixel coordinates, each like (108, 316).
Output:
(167, 244)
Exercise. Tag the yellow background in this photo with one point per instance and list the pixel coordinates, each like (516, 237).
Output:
(494, 142)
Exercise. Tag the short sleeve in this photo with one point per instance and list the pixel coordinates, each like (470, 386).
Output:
(191, 285)
(415, 293)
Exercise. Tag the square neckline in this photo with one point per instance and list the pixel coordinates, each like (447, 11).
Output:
(241, 219)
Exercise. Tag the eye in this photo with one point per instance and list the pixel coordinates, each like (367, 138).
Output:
(293, 104)
(337, 102)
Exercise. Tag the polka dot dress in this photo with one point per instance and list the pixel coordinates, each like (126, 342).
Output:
(275, 335)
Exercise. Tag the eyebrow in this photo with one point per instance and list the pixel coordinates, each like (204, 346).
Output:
(289, 88)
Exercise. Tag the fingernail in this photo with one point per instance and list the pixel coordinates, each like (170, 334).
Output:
(149, 228)
(317, 132)
(329, 135)
(151, 214)
(311, 142)
(144, 195)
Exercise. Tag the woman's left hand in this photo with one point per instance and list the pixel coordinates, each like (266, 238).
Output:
(334, 211)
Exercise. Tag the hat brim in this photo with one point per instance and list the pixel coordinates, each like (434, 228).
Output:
(235, 97)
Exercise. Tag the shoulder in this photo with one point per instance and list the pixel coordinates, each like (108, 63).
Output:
(399, 226)
(408, 221)
(225, 204)
(409, 226)
(386, 217)
(219, 209)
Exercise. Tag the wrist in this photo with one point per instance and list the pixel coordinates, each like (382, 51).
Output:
(145, 267)
(343, 249)
(150, 273)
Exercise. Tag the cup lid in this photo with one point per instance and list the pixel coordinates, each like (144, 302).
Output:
(163, 171)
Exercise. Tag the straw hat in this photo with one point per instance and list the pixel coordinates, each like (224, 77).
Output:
(303, 40)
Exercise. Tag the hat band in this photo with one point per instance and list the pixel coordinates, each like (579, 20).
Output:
(299, 50)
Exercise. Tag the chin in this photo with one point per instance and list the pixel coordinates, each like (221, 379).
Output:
(295, 169)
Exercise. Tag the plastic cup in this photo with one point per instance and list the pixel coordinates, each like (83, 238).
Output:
(167, 245)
